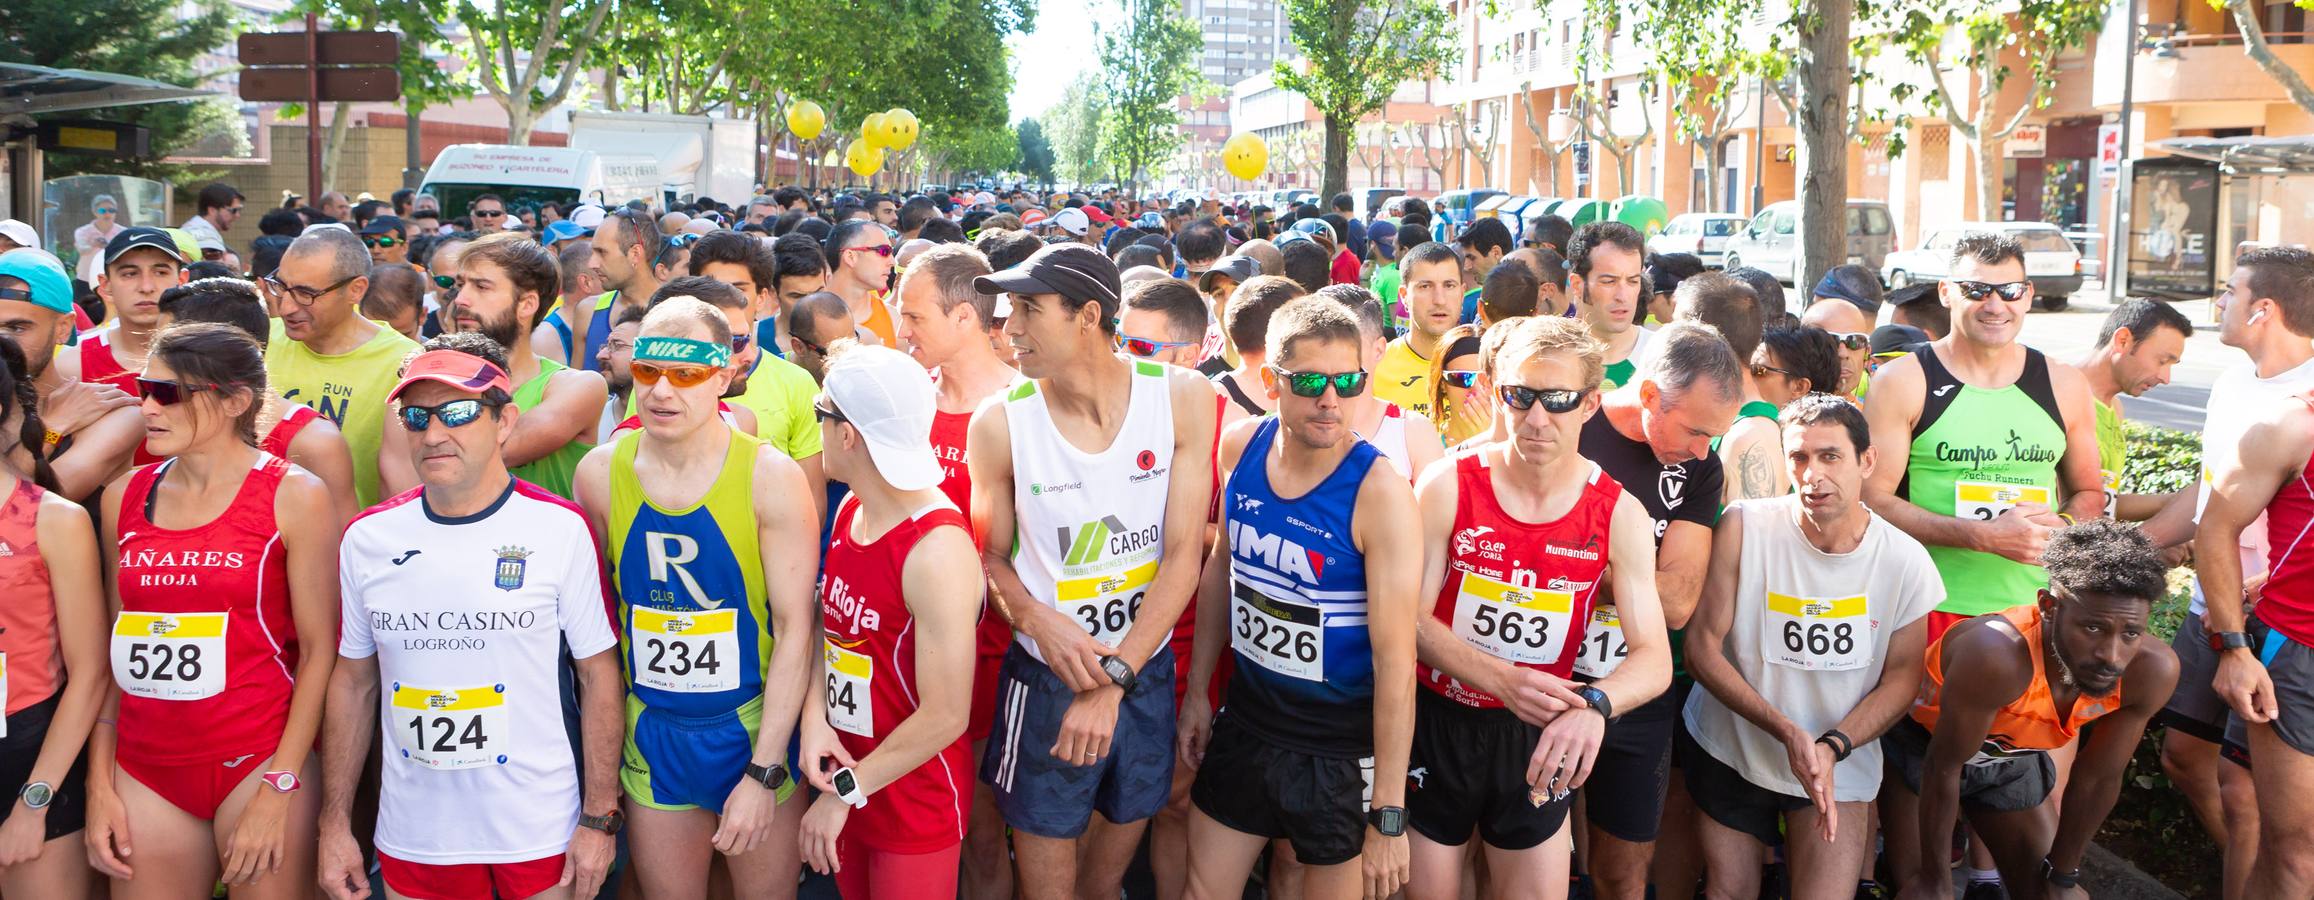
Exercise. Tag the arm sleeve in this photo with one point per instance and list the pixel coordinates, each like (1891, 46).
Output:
(585, 600)
(354, 638)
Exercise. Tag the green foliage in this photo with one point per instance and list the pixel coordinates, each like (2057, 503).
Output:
(564, 30)
(1074, 124)
(155, 39)
(2161, 460)
(943, 60)
(1148, 62)
(1035, 156)
(1976, 35)
(1357, 53)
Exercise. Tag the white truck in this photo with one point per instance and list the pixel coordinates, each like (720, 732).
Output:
(698, 155)
(528, 176)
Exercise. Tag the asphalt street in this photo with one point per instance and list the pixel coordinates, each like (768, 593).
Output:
(2069, 335)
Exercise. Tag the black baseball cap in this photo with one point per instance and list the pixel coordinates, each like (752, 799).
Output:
(385, 225)
(142, 237)
(1072, 270)
(1896, 340)
(1912, 293)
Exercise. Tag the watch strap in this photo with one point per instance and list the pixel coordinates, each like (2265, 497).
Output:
(772, 777)
(2222, 641)
(1839, 742)
(1597, 699)
(2062, 878)
(1389, 821)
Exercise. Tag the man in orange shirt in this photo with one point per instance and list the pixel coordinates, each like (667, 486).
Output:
(860, 271)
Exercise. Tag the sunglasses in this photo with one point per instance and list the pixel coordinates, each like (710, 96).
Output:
(1313, 384)
(446, 282)
(808, 344)
(677, 242)
(823, 414)
(1464, 379)
(454, 414)
(381, 241)
(884, 250)
(1976, 290)
(489, 214)
(304, 296)
(169, 393)
(680, 376)
(1522, 398)
(1761, 370)
(1148, 347)
(740, 342)
(1852, 340)
(106, 212)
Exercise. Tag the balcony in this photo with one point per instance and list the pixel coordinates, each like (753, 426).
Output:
(2211, 68)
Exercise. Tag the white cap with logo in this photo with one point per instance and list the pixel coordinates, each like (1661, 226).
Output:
(888, 397)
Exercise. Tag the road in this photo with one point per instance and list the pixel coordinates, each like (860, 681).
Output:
(2068, 335)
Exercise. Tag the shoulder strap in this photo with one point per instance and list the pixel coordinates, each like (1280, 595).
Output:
(562, 328)
(139, 496)
(2034, 381)
(1238, 395)
(1939, 388)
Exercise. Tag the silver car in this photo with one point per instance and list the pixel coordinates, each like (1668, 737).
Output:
(1703, 234)
(1771, 241)
(2051, 261)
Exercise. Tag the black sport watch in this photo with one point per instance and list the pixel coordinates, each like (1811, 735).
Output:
(1388, 821)
(1597, 699)
(607, 824)
(772, 777)
(1120, 671)
(2064, 879)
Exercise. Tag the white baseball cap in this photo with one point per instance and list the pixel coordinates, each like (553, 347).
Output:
(588, 217)
(19, 232)
(1071, 220)
(888, 396)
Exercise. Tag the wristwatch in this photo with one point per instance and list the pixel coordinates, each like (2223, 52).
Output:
(1120, 672)
(772, 777)
(36, 795)
(1597, 699)
(2222, 641)
(283, 781)
(607, 824)
(2065, 879)
(1388, 821)
(848, 788)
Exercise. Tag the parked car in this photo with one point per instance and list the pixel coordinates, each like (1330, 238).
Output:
(1703, 234)
(1457, 207)
(2051, 261)
(1364, 203)
(1771, 241)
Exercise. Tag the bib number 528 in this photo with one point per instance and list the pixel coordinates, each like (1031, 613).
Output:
(160, 662)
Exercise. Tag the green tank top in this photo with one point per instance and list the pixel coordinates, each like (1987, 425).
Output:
(2112, 452)
(554, 471)
(1619, 374)
(1975, 453)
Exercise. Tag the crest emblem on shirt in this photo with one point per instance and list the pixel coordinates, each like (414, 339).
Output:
(511, 563)
(1671, 486)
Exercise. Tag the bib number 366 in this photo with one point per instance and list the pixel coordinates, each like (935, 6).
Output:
(178, 656)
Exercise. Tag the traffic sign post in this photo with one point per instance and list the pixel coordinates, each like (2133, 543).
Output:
(318, 66)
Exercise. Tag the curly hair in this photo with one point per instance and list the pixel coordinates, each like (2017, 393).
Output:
(2101, 556)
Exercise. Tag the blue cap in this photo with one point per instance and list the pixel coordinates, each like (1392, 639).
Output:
(50, 288)
(564, 230)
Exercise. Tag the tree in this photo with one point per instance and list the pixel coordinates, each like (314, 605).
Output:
(1822, 103)
(1977, 36)
(680, 52)
(1150, 62)
(1701, 52)
(1357, 53)
(535, 29)
(155, 39)
(1035, 158)
(425, 82)
(1478, 139)
(2245, 14)
(1433, 157)
(1595, 100)
(1075, 125)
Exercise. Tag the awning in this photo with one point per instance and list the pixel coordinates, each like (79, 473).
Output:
(38, 89)
(2248, 155)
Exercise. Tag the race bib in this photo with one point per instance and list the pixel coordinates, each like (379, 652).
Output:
(2111, 481)
(447, 729)
(686, 652)
(849, 676)
(1511, 623)
(1603, 645)
(166, 656)
(1280, 635)
(1819, 634)
(1986, 500)
(1107, 604)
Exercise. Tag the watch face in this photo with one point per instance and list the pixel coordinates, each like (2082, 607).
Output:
(845, 783)
(37, 795)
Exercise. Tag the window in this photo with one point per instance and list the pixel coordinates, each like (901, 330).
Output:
(1720, 227)
(1869, 220)
(2043, 240)
(1785, 220)
(1762, 223)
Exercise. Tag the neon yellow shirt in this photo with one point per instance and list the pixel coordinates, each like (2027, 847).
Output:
(349, 389)
(1403, 377)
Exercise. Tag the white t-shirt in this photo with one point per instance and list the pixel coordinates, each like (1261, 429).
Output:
(2247, 399)
(467, 617)
(1810, 633)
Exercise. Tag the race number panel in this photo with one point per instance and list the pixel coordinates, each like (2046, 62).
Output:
(686, 652)
(1512, 623)
(1106, 605)
(447, 729)
(1819, 634)
(1603, 644)
(850, 675)
(1283, 636)
(1986, 500)
(166, 656)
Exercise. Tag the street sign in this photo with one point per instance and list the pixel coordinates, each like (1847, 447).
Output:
(338, 48)
(2109, 150)
(2028, 142)
(289, 85)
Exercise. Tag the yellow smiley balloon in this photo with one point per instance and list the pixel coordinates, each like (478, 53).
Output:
(872, 130)
(863, 159)
(900, 129)
(1245, 156)
(805, 118)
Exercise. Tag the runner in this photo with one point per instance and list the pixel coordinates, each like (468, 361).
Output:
(224, 561)
(51, 628)
(1245, 324)
(1430, 288)
(91, 430)
(1851, 326)
(459, 597)
(776, 393)
(1978, 746)
(616, 361)
(1163, 320)
(503, 281)
(139, 263)
(1999, 440)
(695, 514)
(859, 256)
(324, 353)
(1808, 643)
(1606, 268)
(1406, 439)
(2136, 347)
(1312, 744)
(1503, 737)
(1753, 446)
(1085, 693)
(884, 739)
(1457, 399)
(1654, 434)
(626, 245)
(293, 431)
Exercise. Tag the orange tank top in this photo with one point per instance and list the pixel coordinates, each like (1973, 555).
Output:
(880, 319)
(2029, 722)
(28, 657)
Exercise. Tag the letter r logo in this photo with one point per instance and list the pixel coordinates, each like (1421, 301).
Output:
(669, 553)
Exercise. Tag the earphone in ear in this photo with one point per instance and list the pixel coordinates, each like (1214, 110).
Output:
(2255, 315)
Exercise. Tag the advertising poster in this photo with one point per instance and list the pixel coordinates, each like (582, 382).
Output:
(2172, 228)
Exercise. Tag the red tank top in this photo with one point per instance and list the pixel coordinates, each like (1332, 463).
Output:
(204, 650)
(99, 365)
(278, 438)
(2288, 605)
(870, 652)
(28, 620)
(1520, 591)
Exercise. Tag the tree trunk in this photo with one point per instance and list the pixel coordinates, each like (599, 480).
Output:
(1712, 147)
(1823, 132)
(519, 119)
(1337, 164)
(333, 146)
(2245, 14)
(1988, 180)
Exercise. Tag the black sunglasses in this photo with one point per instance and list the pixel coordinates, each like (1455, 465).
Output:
(1852, 340)
(809, 345)
(1522, 398)
(169, 393)
(1976, 290)
(1313, 384)
(823, 414)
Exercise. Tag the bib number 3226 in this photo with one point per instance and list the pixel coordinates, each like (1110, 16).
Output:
(169, 656)
(450, 728)
(1283, 636)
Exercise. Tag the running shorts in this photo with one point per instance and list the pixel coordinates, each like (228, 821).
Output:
(685, 762)
(1633, 769)
(1047, 797)
(2194, 708)
(1254, 787)
(1468, 772)
(1727, 797)
(512, 881)
(2008, 784)
(27, 729)
(2291, 666)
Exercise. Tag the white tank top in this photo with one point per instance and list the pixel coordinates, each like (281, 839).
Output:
(1390, 438)
(1089, 526)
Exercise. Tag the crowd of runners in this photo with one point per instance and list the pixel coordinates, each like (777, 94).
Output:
(977, 544)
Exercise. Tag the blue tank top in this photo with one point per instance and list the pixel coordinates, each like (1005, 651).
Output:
(598, 331)
(697, 630)
(1297, 607)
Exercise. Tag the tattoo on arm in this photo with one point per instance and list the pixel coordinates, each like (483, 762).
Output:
(1757, 477)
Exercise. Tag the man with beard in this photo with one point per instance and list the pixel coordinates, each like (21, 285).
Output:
(1979, 745)
(616, 361)
(1606, 262)
(505, 279)
(93, 428)
(859, 257)
(2139, 343)
(325, 355)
